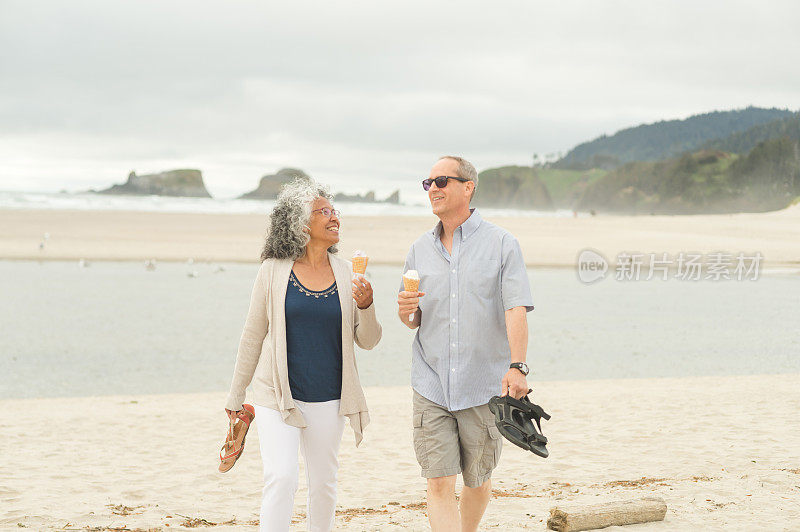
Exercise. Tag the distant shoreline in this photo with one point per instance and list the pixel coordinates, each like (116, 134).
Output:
(769, 270)
(551, 242)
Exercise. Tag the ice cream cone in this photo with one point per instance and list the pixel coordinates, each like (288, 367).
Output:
(360, 265)
(411, 284)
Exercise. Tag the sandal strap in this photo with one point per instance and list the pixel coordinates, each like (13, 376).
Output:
(244, 415)
(231, 455)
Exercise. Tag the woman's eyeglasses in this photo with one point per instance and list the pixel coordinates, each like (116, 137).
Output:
(327, 212)
(440, 181)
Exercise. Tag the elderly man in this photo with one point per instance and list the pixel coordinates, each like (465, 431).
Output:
(471, 340)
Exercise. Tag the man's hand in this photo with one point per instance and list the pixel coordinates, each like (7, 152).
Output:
(408, 303)
(514, 384)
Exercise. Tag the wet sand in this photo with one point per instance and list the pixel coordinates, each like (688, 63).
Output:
(545, 241)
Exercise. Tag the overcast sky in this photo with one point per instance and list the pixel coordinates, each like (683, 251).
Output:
(362, 95)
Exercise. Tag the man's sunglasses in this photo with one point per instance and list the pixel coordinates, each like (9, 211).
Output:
(327, 212)
(440, 181)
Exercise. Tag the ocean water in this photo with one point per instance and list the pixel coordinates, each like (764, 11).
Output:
(90, 201)
(116, 328)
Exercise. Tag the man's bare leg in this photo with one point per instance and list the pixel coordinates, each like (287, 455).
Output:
(442, 506)
(473, 503)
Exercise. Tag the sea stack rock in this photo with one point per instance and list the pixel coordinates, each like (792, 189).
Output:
(369, 197)
(270, 185)
(184, 182)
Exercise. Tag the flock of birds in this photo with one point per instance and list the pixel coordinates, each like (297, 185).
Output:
(192, 273)
(149, 264)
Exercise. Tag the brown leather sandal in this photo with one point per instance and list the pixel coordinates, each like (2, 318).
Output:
(234, 441)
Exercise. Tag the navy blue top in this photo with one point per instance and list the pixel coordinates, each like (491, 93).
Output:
(313, 342)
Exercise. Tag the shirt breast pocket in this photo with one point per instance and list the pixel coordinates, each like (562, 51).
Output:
(486, 278)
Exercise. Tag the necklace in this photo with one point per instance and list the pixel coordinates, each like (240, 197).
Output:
(303, 290)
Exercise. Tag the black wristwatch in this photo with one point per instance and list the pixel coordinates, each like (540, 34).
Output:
(522, 366)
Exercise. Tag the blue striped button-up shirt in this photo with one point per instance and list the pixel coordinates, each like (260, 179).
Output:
(461, 351)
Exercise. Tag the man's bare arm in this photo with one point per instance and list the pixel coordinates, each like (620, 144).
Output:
(514, 382)
(517, 330)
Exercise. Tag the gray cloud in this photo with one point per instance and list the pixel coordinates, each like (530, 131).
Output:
(355, 90)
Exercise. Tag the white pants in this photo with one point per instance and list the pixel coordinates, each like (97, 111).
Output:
(319, 442)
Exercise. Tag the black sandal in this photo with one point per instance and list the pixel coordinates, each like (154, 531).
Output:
(513, 418)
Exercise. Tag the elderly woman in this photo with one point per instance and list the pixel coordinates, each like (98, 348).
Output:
(306, 311)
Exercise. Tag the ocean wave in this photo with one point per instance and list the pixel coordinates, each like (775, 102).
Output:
(87, 201)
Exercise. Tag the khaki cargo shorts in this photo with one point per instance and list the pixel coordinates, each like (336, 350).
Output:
(448, 443)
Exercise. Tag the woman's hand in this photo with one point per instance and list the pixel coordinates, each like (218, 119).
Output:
(362, 292)
(232, 414)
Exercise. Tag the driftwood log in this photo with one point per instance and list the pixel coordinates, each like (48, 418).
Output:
(607, 514)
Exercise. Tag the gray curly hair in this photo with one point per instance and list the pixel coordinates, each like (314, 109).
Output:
(292, 212)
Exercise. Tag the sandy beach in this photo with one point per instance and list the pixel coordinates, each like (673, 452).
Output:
(545, 241)
(724, 452)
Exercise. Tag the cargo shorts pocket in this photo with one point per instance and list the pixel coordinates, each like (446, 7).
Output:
(420, 448)
(491, 451)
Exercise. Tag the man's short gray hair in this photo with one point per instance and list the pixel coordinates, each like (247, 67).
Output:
(465, 170)
(291, 214)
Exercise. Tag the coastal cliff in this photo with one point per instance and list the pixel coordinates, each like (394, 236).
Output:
(707, 181)
(512, 187)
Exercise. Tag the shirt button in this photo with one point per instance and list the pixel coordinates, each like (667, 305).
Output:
(453, 370)
(452, 295)
(453, 345)
(454, 320)
(453, 271)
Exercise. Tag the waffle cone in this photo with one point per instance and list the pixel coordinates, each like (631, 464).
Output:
(411, 285)
(360, 264)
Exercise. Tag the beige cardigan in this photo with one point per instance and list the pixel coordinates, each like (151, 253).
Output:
(261, 357)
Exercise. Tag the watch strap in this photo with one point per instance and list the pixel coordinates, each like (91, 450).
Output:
(521, 366)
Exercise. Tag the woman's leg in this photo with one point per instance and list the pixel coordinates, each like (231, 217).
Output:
(319, 442)
(278, 442)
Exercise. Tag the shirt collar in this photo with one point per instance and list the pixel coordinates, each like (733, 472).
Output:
(467, 228)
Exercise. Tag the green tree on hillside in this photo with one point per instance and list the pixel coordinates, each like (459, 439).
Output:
(664, 139)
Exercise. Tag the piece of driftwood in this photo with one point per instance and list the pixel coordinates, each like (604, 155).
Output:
(607, 514)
